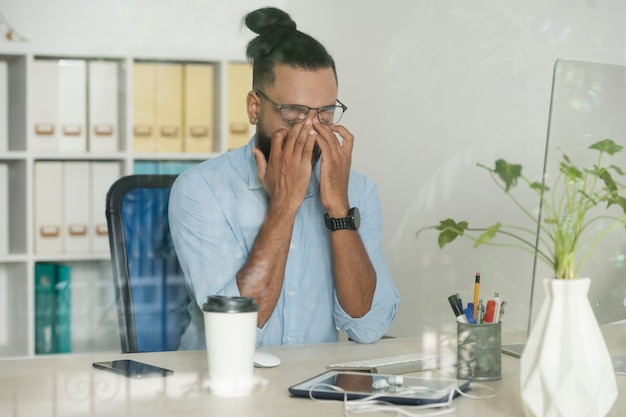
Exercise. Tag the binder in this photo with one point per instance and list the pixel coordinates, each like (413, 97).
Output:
(144, 107)
(169, 110)
(4, 209)
(4, 109)
(63, 303)
(45, 279)
(103, 175)
(72, 105)
(145, 167)
(76, 207)
(45, 95)
(5, 310)
(48, 207)
(103, 106)
(198, 108)
(239, 84)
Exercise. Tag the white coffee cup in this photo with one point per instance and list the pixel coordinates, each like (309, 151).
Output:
(230, 331)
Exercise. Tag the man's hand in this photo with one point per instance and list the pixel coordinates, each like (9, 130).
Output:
(335, 167)
(286, 175)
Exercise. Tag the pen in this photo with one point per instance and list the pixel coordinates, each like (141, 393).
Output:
(481, 312)
(497, 308)
(476, 291)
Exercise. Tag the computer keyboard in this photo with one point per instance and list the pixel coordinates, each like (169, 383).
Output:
(400, 364)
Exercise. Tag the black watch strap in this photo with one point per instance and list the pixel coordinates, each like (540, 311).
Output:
(351, 222)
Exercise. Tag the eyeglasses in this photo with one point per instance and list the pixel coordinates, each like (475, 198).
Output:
(290, 113)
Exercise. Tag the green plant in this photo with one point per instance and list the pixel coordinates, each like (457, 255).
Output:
(567, 212)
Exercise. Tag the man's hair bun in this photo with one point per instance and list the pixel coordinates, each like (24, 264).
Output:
(269, 19)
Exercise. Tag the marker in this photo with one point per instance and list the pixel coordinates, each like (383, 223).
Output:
(490, 312)
(476, 292)
(469, 314)
(458, 312)
(481, 312)
(460, 302)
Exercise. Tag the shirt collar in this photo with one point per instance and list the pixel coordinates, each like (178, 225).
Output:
(253, 174)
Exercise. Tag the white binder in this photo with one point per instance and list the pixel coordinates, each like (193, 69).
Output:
(4, 209)
(72, 105)
(76, 208)
(103, 106)
(45, 102)
(48, 207)
(4, 100)
(103, 175)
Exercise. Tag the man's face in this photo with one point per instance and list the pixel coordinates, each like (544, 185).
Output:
(292, 86)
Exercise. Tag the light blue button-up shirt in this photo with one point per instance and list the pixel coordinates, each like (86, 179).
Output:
(216, 210)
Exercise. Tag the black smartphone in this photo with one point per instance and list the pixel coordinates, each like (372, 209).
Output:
(132, 369)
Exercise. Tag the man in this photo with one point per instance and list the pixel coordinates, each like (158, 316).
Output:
(278, 219)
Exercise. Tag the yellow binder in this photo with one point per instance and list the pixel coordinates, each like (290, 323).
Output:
(169, 107)
(198, 108)
(239, 84)
(144, 107)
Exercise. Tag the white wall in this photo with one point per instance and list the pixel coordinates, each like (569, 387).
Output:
(432, 86)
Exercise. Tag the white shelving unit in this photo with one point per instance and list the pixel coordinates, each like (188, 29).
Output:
(94, 316)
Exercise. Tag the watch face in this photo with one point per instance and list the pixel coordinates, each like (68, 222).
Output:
(356, 217)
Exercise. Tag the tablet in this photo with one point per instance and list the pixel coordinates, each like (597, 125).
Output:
(514, 350)
(337, 385)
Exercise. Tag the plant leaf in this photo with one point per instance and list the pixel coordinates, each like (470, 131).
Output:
(489, 234)
(608, 180)
(539, 186)
(508, 173)
(607, 146)
(450, 230)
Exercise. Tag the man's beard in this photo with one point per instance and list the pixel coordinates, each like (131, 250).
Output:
(264, 143)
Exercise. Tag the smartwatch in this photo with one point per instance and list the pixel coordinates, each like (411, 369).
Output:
(351, 222)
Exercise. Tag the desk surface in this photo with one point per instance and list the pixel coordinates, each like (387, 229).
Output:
(67, 385)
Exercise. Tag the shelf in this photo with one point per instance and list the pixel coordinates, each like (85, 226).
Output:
(46, 128)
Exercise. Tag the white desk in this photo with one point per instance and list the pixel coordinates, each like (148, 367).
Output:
(67, 385)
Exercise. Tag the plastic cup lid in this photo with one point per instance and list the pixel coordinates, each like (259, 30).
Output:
(224, 304)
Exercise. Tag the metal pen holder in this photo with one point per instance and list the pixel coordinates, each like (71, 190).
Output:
(479, 356)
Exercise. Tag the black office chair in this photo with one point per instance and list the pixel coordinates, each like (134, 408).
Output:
(149, 287)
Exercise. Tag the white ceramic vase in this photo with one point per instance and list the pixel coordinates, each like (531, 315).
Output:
(566, 368)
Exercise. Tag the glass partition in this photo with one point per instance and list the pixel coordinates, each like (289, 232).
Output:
(588, 105)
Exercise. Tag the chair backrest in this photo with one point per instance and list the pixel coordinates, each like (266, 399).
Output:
(150, 291)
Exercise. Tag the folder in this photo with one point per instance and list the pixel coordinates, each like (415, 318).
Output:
(6, 318)
(198, 108)
(45, 105)
(72, 105)
(76, 207)
(48, 207)
(63, 302)
(4, 209)
(103, 175)
(169, 109)
(103, 106)
(144, 107)
(239, 84)
(45, 279)
(4, 109)
(145, 167)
